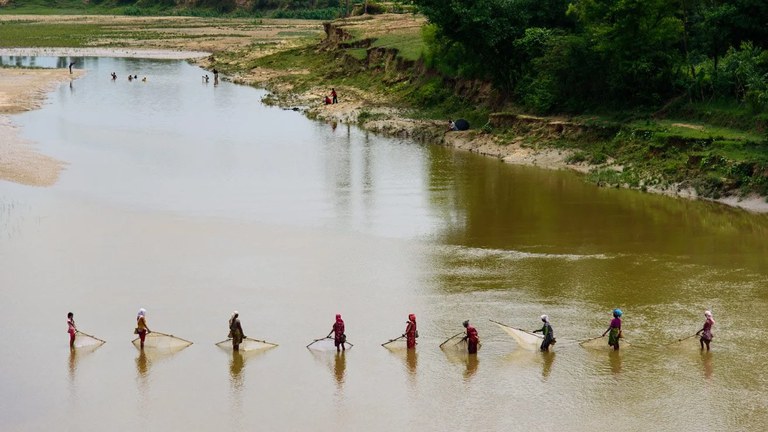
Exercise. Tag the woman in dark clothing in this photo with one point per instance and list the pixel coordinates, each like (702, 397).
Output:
(236, 331)
(549, 334)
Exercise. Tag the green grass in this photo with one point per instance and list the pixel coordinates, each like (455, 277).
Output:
(409, 45)
(27, 34)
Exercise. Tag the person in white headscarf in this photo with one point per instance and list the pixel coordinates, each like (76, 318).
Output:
(549, 334)
(706, 331)
(141, 326)
(236, 331)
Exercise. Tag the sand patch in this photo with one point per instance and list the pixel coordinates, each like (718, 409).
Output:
(23, 90)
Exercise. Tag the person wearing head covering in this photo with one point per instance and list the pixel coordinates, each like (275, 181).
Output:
(236, 331)
(141, 326)
(706, 331)
(549, 334)
(614, 329)
(338, 334)
(71, 329)
(472, 338)
(410, 332)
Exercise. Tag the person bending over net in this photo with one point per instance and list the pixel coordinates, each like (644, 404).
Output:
(472, 338)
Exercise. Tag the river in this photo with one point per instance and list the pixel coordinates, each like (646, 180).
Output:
(193, 200)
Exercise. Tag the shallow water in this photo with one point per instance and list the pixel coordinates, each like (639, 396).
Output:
(194, 200)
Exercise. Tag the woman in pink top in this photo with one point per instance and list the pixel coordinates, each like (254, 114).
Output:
(614, 329)
(71, 329)
(706, 331)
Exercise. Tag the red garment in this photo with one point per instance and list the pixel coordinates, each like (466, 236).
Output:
(472, 335)
(472, 340)
(142, 335)
(410, 332)
(338, 330)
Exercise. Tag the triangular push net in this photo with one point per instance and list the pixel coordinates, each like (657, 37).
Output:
(456, 344)
(690, 342)
(162, 341)
(84, 340)
(601, 342)
(525, 339)
(397, 344)
(325, 344)
(247, 345)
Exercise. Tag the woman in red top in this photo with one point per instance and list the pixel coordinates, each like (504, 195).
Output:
(472, 338)
(338, 333)
(71, 329)
(410, 332)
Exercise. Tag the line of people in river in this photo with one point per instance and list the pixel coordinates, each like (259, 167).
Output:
(411, 333)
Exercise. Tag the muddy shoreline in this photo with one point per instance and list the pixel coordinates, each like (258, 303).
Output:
(385, 120)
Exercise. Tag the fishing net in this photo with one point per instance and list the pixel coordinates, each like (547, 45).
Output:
(399, 344)
(162, 341)
(601, 343)
(525, 339)
(247, 345)
(456, 344)
(84, 340)
(686, 343)
(326, 344)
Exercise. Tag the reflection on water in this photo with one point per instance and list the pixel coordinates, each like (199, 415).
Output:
(472, 362)
(143, 364)
(340, 368)
(614, 358)
(548, 358)
(411, 360)
(235, 370)
(706, 361)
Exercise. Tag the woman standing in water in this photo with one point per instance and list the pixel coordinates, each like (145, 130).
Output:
(141, 326)
(472, 338)
(614, 329)
(410, 332)
(706, 331)
(338, 333)
(236, 331)
(72, 329)
(549, 334)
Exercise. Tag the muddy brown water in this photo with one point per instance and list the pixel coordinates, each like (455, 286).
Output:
(194, 200)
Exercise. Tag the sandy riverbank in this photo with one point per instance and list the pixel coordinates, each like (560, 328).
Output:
(23, 90)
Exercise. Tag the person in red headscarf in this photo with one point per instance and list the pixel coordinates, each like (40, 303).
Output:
(338, 333)
(410, 332)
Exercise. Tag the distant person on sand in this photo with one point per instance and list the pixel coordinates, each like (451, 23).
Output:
(71, 329)
(706, 331)
(141, 326)
(334, 96)
(547, 332)
(472, 338)
(70, 67)
(236, 331)
(614, 329)
(410, 332)
(339, 337)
